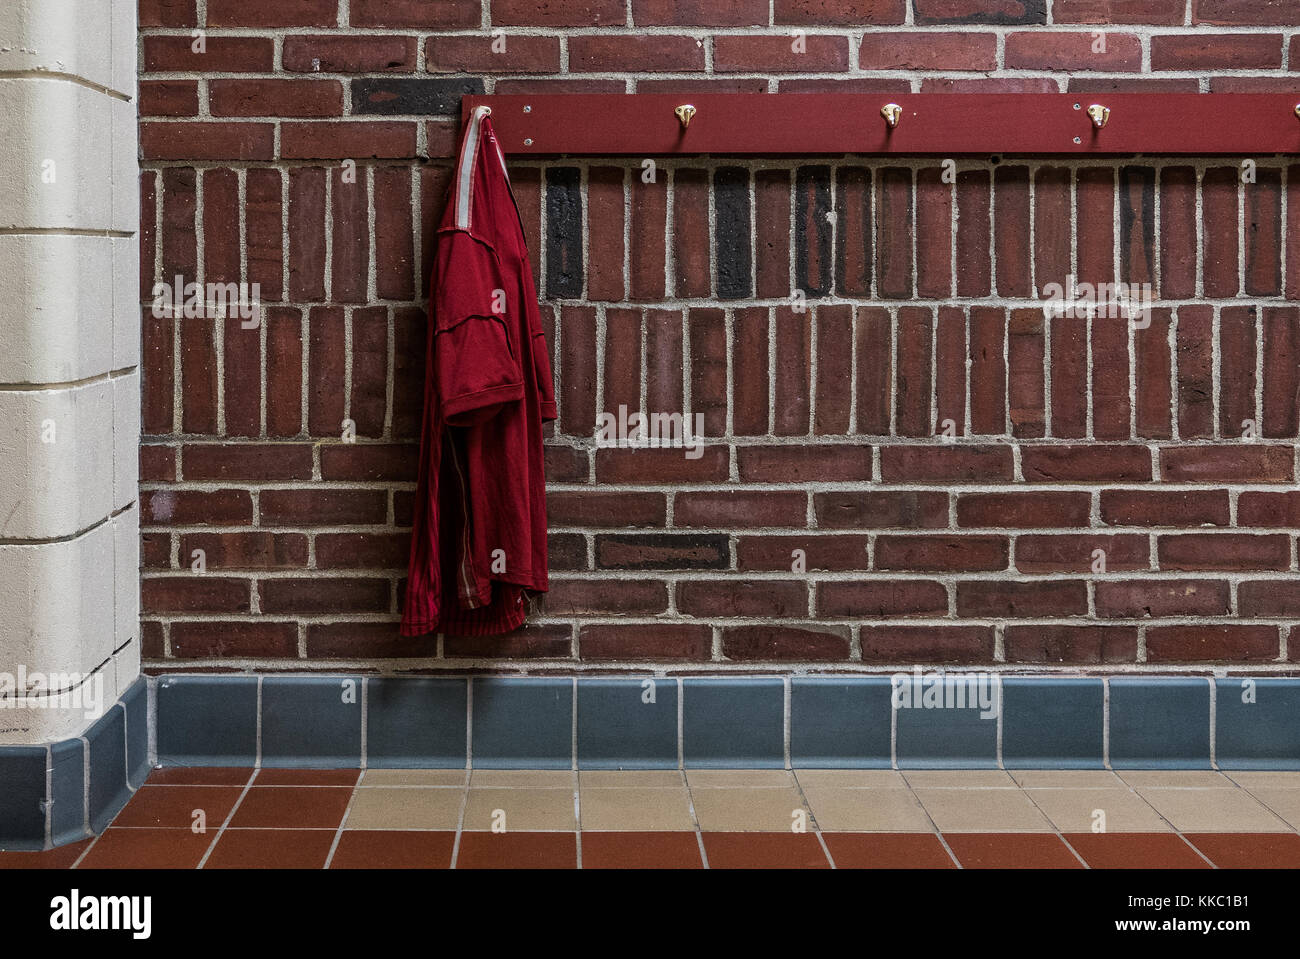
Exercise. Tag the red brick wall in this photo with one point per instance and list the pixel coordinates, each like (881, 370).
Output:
(1072, 436)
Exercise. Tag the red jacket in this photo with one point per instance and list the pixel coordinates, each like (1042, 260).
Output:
(480, 513)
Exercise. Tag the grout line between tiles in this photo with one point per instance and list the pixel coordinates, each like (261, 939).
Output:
(252, 776)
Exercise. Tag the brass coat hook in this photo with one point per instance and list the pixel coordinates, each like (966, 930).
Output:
(1100, 115)
(892, 112)
(684, 113)
(1297, 111)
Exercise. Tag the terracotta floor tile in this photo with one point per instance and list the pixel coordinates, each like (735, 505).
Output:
(991, 850)
(518, 850)
(1249, 850)
(148, 849)
(1135, 850)
(176, 806)
(60, 858)
(292, 807)
(307, 777)
(887, 850)
(200, 776)
(766, 850)
(379, 849)
(271, 849)
(641, 850)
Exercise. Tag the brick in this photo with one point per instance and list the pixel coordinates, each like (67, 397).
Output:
(1086, 464)
(1258, 508)
(1237, 332)
(221, 226)
(881, 509)
(246, 461)
(762, 598)
(350, 54)
(894, 233)
(733, 259)
(1293, 208)
(659, 466)
(1069, 376)
(969, 464)
(1077, 553)
(566, 551)
(935, 553)
(875, 599)
(309, 507)
(564, 217)
(934, 234)
(770, 553)
(1024, 510)
(605, 509)
(803, 464)
(283, 372)
(198, 377)
(781, 643)
(605, 231)
(167, 13)
(307, 234)
(748, 53)
(363, 550)
(1228, 464)
(1164, 507)
(369, 401)
(1053, 240)
(576, 389)
(169, 98)
(528, 642)
(707, 330)
(342, 595)
(646, 53)
(872, 332)
(380, 639)
(622, 360)
(558, 13)
(914, 386)
(1025, 380)
(1244, 12)
(288, 13)
(1137, 225)
(1156, 598)
(988, 372)
(194, 593)
(974, 264)
(1224, 551)
(234, 640)
(1178, 241)
(1154, 376)
(1011, 230)
(486, 54)
(579, 597)
(176, 54)
(950, 371)
(394, 270)
(648, 250)
(242, 381)
(192, 141)
(278, 98)
(1082, 645)
(853, 240)
(1195, 346)
(326, 371)
(1268, 598)
(1207, 643)
(834, 381)
(812, 230)
(839, 12)
(184, 507)
(931, 644)
(723, 13)
(157, 464)
(158, 375)
(1111, 407)
(691, 231)
(665, 361)
(369, 462)
(635, 642)
(740, 509)
(1162, 12)
(1263, 225)
(1094, 219)
(1237, 51)
(1048, 598)
(1219, 230)
(263, 232)
(1072, 51)
(258, 550)
(347, 140)
(907, 50)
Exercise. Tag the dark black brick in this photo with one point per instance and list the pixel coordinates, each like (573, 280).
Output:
(1142, 217)
(390, 96)
(563, 232)
(731, 205)
(812, 230)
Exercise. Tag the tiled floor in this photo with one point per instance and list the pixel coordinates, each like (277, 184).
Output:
(341, 819)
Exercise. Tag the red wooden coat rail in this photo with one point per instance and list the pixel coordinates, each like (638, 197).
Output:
(647, 124)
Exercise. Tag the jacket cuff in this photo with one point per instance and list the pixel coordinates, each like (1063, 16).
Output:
(456, 407)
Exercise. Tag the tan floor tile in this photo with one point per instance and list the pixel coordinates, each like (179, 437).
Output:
(526, 810)
(385, 807)
(1074, 810)
(838, 809)
(1277, 779)
(414, 777)
(1284, 801)
(746, 810)
(1175, 778)
(521, 778)
(1067, 779)
(850, 778)
(958, 778)
(739, 778)
(982, 810)
(650, 809)
(1212, 810)
(629, 778)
